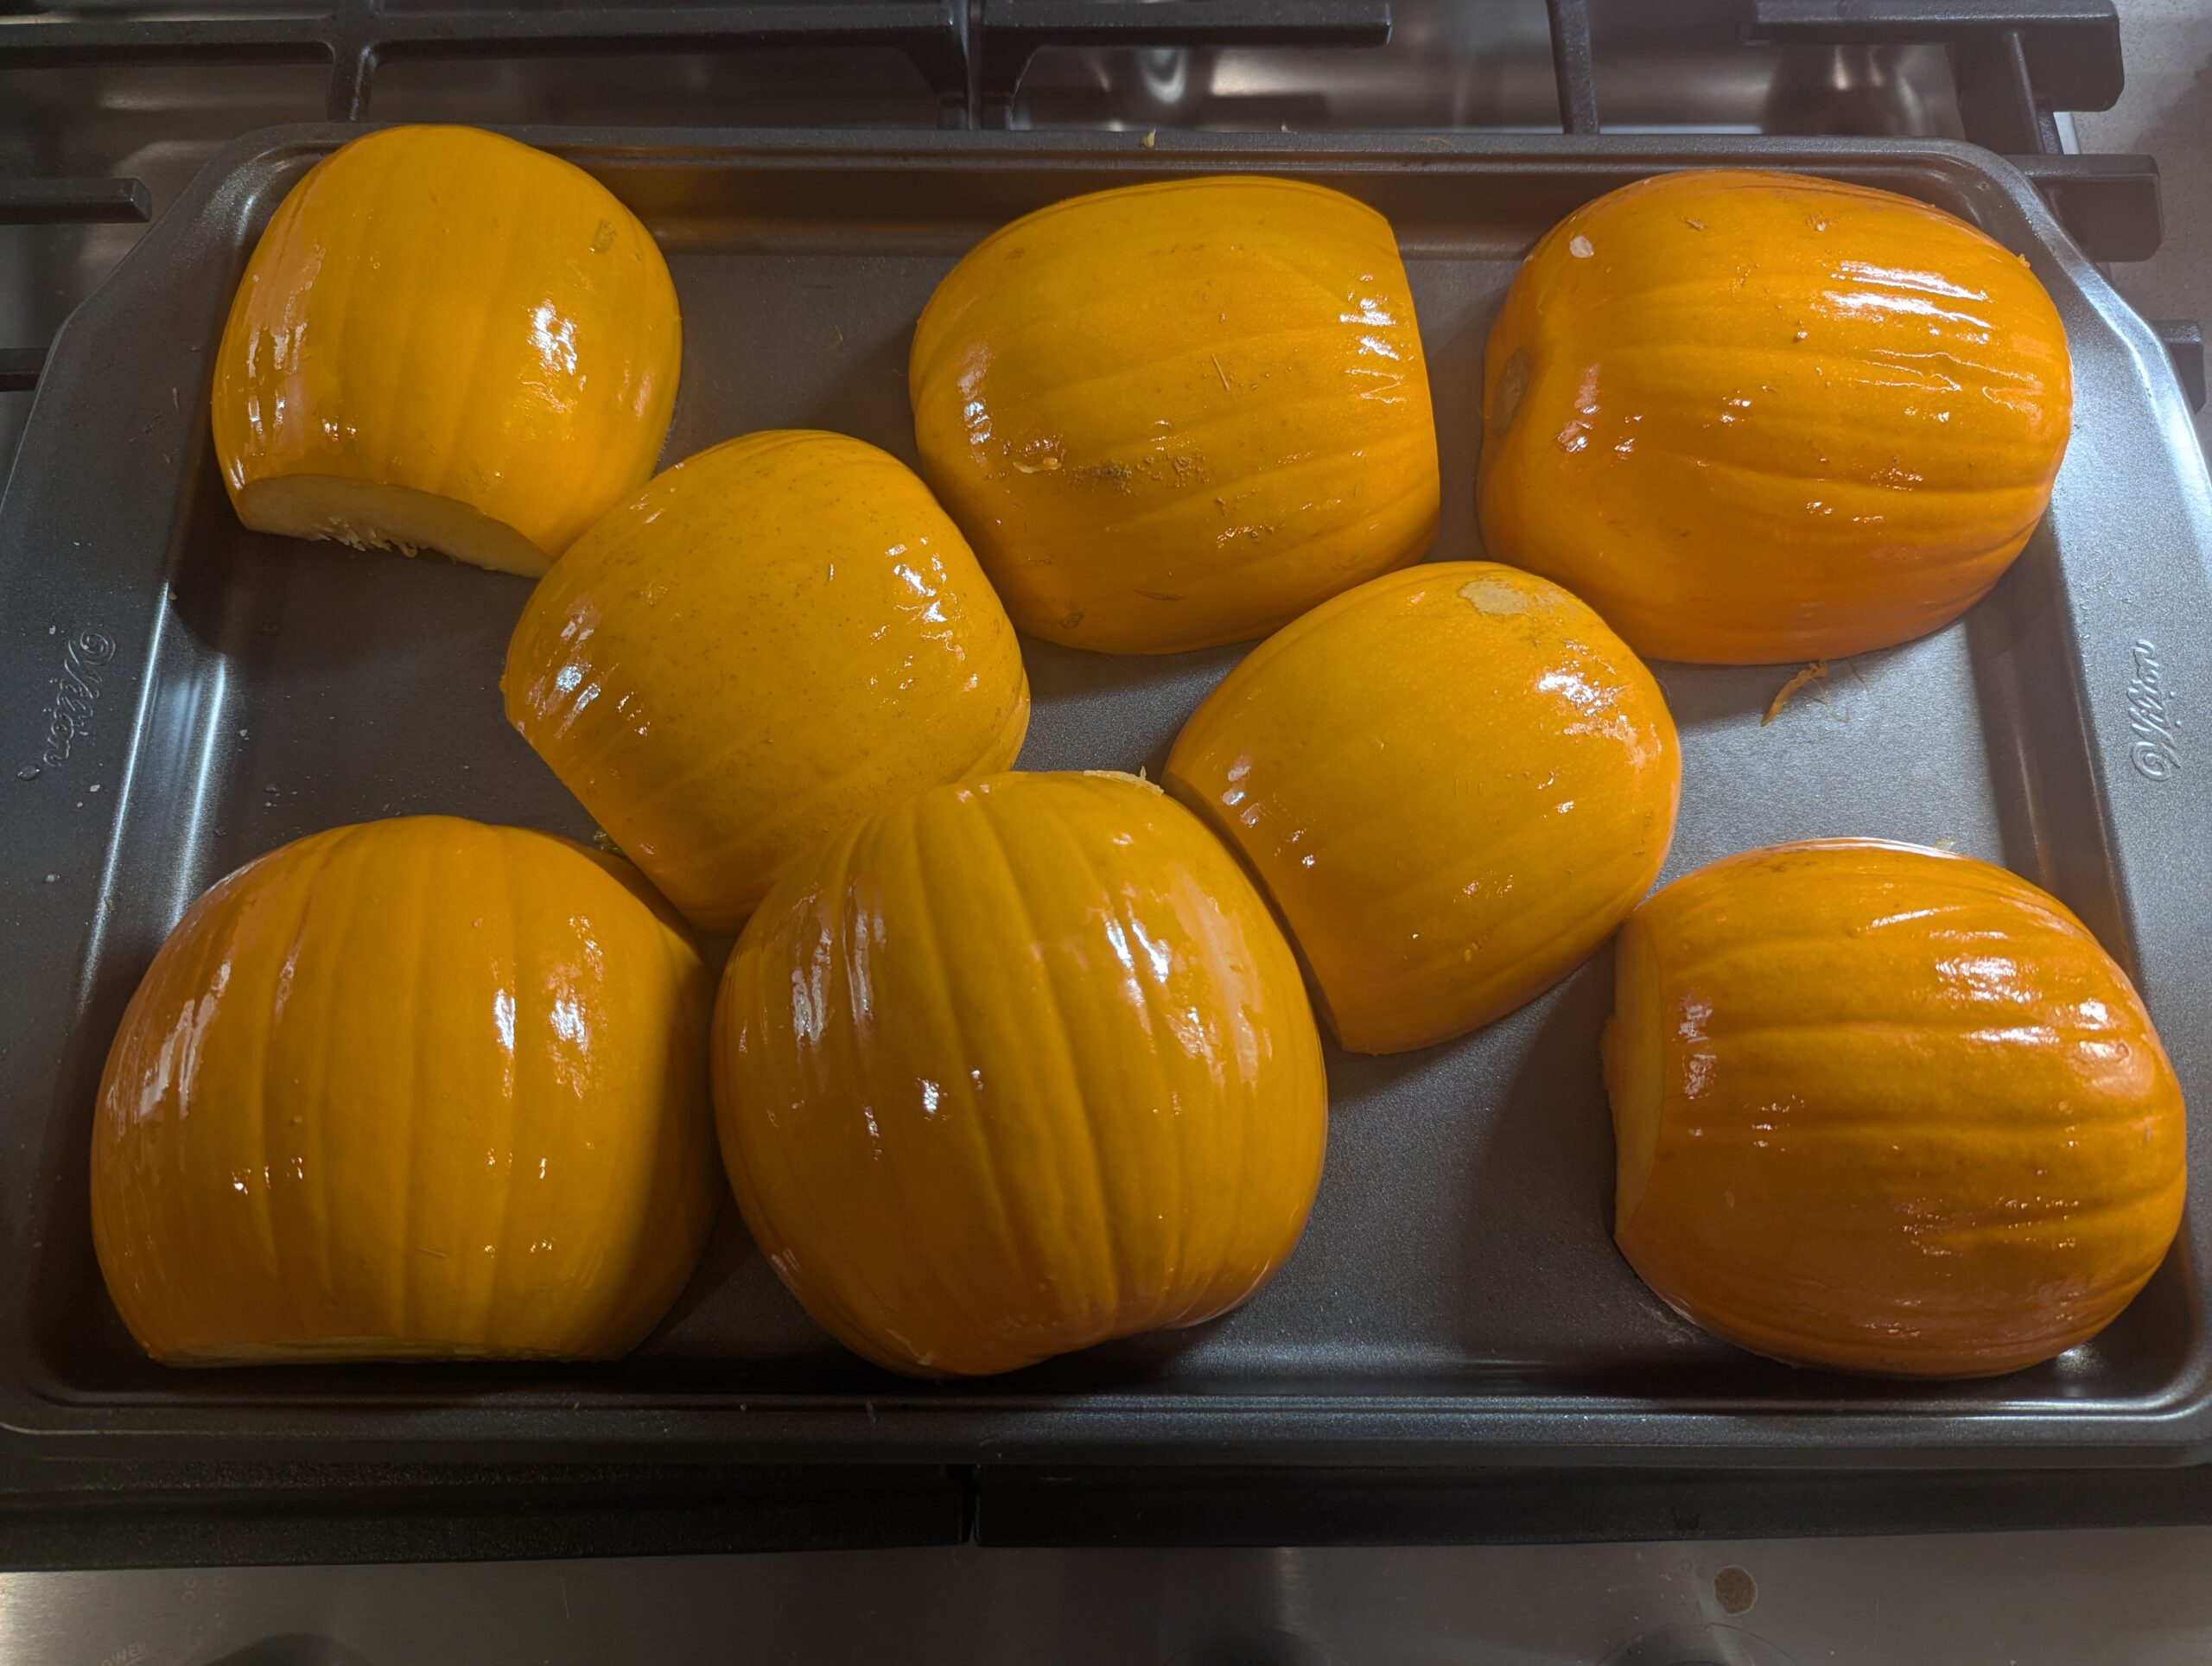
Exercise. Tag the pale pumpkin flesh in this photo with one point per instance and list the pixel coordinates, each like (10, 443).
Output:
(1756, 417)
(1452, 782)
(1886, 1110)
(417, 1089)
(1177, 415)
(775, 637)
(365, 515)
(446, 341)
(1017, 1067)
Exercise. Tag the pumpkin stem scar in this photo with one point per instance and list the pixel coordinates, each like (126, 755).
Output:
(1783, 696)
(1495, 595)
(1512, 383)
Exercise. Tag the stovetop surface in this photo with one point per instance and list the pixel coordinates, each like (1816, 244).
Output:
(2121, 1598)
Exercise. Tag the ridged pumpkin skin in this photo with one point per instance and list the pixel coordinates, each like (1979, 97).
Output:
(1453, 781)
(1753, 417)
(1886, 1110)
(775, 637)
(415, 1089)
(1177, 414)
(1016, 1067)
(446, 341)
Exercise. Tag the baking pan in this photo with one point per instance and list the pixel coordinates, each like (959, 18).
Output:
(180, 695)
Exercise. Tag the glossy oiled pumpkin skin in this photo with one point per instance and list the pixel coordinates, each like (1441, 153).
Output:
(1177, 414)
(1755, 417)
(775, 637)
(1453, 781)
(446, 340)
(1886, 1110)
(414, 1089)
(1016, 1067)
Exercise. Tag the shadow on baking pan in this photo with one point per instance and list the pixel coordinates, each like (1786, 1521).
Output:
(294, 1648)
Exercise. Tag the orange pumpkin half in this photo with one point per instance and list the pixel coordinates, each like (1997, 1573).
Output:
(417, 1089)
(1176, 415)
(1887, 1109)
(1453, 781)
(446, 341)
(1016, 1067)
(1754, 417)
(775, 637)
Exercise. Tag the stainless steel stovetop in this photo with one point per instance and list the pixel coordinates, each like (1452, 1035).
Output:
(2116, 1598)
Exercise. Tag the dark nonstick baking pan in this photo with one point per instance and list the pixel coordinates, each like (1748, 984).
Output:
(182, 695)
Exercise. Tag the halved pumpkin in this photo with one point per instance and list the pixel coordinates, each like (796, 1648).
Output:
(1756, 416)
(1015, 1067)
(773, 638)
(415, 1088)
(1886, 1110)
(1177, 414)
(446, 341)
(1453, 781)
